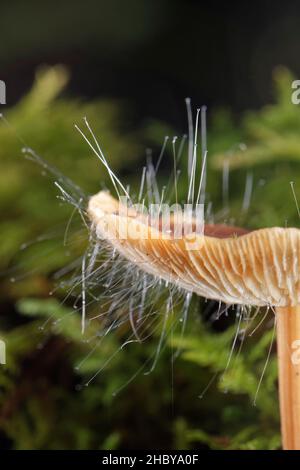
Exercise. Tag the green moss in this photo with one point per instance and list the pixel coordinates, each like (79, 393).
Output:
(44, 403)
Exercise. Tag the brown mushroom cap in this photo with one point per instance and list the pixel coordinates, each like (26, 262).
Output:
(257, 268)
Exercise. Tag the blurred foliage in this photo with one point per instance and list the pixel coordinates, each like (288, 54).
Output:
(45, 403)
(265, 144)
(272, 134)
(237, 376)
(48, 125)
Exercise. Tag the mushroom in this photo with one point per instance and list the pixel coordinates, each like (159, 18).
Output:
(231, 265)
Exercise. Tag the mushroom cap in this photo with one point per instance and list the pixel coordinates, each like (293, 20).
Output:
(257, 268)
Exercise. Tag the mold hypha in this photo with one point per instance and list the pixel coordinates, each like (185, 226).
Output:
(256, 268)
(229, 264)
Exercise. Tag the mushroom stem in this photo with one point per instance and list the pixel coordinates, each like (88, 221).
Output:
(288, 350)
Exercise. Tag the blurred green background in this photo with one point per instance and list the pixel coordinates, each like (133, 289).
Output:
(128, 66)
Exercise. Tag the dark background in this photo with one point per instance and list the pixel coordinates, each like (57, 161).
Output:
(147, 56)
(153, 53)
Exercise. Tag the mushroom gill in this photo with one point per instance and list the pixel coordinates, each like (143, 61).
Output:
(256, 268)
(223, 263)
